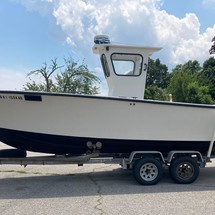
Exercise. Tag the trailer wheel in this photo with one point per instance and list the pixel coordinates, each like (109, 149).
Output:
(148, 171)
(184, 170)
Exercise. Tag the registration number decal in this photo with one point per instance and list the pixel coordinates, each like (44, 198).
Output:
(11, 97)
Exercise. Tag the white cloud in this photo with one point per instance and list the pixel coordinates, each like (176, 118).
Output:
(70, 42)
(139, 21)
(84, 20)
(44, 7)
(182, 39)
(129, 21)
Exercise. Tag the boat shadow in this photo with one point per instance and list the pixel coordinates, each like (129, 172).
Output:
(114, 182)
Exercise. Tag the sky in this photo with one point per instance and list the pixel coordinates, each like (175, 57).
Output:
(33, 32)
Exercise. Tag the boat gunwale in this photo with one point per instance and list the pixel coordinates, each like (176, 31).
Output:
(126, 99)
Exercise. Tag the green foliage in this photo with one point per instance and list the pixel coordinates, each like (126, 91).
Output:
(185, 85)
(32, 86)
(178, 86)
(199, 94)
(187, 82)
(191, 67)
(207, 75)
(155, 93)
(74, 78)
(212, 49)
(45, 72)
(157, 74)
(157, 80)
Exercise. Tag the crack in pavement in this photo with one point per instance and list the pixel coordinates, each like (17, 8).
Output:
(98, 206)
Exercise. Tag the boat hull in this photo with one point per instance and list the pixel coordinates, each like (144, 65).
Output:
(65, 124)
(56, 144)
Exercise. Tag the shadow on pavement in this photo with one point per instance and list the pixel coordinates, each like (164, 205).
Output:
(114, 182)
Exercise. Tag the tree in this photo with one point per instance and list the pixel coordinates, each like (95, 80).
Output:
(157, 80)
(76, 79)
(157, 74)
(33, 86)
(46, 73)
(155, 93)
(179, 86)
(212, 49)
(185, 85)
(198, 94)
(73, 79)
(192, 67)
(207, 75)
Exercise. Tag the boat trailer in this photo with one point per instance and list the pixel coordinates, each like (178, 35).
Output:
(147, 166)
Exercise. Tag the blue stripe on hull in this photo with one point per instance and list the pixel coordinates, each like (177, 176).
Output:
(56, 144)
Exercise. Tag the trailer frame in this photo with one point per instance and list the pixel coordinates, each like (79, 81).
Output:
(153, 162)
(147, 166)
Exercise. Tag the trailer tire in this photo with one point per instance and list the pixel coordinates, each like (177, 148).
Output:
(184, 170)
(148, 171)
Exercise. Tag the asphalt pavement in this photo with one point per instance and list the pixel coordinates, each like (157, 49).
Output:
(99, 189)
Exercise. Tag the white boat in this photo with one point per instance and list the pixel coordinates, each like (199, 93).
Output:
(121, 122)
